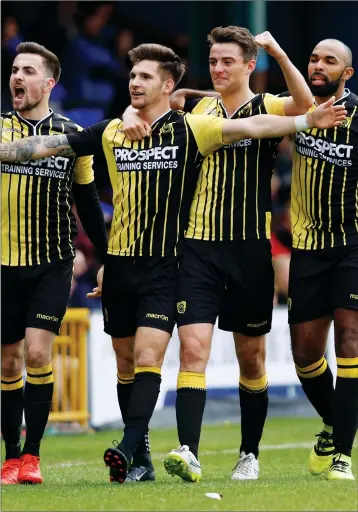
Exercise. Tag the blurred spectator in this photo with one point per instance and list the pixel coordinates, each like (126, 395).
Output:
(281, 242)
(89, 68)
(123, 44)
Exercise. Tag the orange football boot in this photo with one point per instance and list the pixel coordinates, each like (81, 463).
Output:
(30, 472)
(10, 472)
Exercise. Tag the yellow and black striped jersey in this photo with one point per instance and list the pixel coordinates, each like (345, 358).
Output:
(324, 192)
(232, 200)
(153, 179)
(37, 224)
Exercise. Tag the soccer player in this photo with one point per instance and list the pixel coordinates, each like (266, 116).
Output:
(226, 269)
(153, 183)
(37, 253)
(323, 284)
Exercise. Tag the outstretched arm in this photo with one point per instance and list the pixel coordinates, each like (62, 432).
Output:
(35, 147)
(269, 126)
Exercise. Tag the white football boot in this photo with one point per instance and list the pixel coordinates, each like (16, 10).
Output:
(183, 463)
(247, 468)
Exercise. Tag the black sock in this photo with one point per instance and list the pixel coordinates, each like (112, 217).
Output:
(190, 405)
(142, 403)
(345, 405)
(317, 383)
(37, 404)
(12, 407)
(125, 382)
(253, 404)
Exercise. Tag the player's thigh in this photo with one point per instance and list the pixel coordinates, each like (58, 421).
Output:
(248, 299)
(120, 296)
(200, 283)
(157, 294)
(14, 302)
(310, 289)
(51, 286)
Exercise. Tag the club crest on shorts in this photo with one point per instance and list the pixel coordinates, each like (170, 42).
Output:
(181, 307)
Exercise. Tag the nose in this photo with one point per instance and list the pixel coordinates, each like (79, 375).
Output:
(319, 65)
(218, 68)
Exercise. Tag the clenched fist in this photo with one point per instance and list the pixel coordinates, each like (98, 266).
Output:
(269, 44)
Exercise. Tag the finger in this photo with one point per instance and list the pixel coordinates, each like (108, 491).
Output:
(93, 295)
(329, 102)
(148, 131)
(142, 132)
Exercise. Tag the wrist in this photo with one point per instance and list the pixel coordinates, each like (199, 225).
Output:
(303, 122)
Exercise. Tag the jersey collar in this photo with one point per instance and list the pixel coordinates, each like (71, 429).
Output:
(345, 94)
(38, 122)
(238, 108)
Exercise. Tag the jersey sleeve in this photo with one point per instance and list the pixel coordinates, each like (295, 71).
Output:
(274, 105)
(207, 131)
(83, 173)
(89, 140)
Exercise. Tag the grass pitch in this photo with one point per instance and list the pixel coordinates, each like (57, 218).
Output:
(75, 477)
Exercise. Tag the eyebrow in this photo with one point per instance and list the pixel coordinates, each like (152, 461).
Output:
(24, 67)
(326, 57)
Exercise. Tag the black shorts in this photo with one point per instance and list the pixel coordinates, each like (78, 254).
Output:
(322, 281)
(35, 296)
(230, 280)
(139, 292)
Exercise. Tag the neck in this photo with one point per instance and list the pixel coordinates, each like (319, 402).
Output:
(36, 113)
(338, 94)
(232, 101)
(153, 112)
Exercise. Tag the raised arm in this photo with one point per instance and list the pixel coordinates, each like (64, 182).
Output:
(301, 98)
(35, 147)
(267, 126)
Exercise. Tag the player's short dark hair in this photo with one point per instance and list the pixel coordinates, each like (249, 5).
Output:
(238, 35)
(51, 60)
(168, 60)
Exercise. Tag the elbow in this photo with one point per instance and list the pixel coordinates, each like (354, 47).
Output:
(305, 104)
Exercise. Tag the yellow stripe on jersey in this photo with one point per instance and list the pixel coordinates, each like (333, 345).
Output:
(37, 222)
(324, 183)
(234, 186)
(153, 181)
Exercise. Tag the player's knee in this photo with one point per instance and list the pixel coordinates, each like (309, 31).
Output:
(125, 364)
(346, 342)
(149, 358)
(252, 362)
(36, 357)
(194, 354)
(11, 364)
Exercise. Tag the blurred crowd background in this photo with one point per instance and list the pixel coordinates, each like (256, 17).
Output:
(92, 40)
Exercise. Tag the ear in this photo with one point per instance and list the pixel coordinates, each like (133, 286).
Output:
(49, 84)
(168, 86)
(251, 65)
(348, 73)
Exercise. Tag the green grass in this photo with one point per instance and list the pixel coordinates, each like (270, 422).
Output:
(81, 483)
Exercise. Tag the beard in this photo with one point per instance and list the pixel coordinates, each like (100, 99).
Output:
(328, 88)
(26, 106)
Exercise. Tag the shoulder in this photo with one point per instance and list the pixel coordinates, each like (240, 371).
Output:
(206, 105)
(68, 126)
(7, 115)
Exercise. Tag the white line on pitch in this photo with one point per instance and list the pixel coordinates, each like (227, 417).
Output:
(156, 455)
